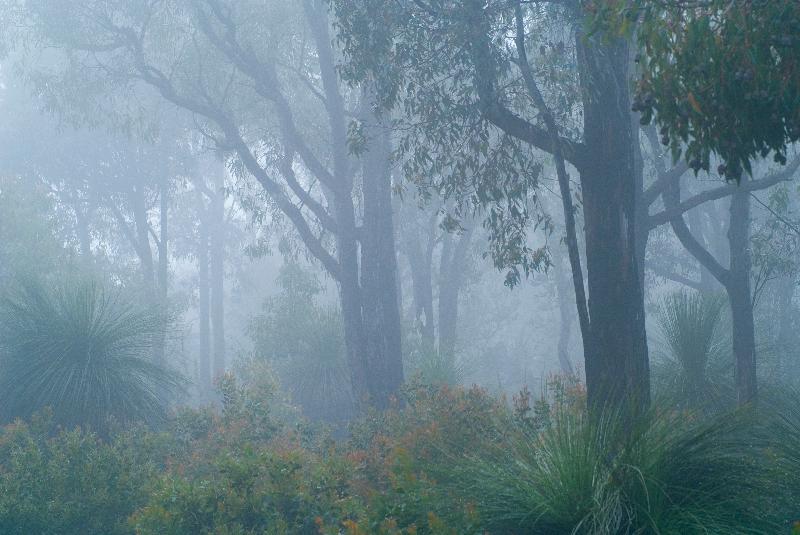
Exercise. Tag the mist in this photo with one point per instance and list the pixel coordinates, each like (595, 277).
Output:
(379, 266)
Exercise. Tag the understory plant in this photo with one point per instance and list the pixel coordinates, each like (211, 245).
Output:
(82, 349)
(693, 369)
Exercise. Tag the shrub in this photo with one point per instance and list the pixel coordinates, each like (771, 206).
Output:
(303, 341)
(81, 350)
(694, 370)
(73, 482)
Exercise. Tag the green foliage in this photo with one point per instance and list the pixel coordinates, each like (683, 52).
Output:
(73, 482)
(421, 58)
(81, 350)
(432, 367)
(719, 77)
(29, 233)
(695, 357)
(304, 342)
(449, 461)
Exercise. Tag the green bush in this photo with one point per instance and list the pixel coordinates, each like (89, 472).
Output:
(694, 368)
(73, 482)
(81, 350)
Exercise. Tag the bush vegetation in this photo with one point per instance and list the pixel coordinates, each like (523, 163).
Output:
(448, 460)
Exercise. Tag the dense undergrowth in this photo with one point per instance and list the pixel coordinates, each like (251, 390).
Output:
(445, 460)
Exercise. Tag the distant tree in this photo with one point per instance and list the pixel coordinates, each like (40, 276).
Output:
(260, 83)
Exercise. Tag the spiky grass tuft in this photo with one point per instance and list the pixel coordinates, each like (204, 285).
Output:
(83, 351)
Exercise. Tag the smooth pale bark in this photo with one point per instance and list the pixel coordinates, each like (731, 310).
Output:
(204, 288)
(418, 247)
(216, 259)
(566, 313)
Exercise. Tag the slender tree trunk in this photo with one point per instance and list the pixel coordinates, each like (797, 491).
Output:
(419, 252)
(617, 364)
(204, 290)
(163, 250)
(143, 250)
(350, 295)
(84, 237)
(381, 313)
(744, 343)
(217, 272)
(785, 297)
(451, 278)
(566, 313)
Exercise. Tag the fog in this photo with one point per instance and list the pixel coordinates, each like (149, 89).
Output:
(369, 266)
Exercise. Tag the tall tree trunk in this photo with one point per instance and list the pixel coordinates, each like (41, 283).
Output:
(204, 290)
(785, 288)
(381, 314)
(419, 252)
(617, 364)
(163, 251)
(566, 313)
(143, 250)
(744, 342)
(217, 271)
(84, 237)
(451, 277)
(350, 295)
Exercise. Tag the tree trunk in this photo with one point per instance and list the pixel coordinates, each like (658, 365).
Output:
(744, 343)
(204, 290)
(84, 237)
(420, 259)
(566, 316)
(617, 365)
(163, 251)
(142, 245)
(350, 294)
(381, 314)
(217, 271)
(451, 276)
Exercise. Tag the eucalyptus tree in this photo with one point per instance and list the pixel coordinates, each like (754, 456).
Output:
(481, 85)
(259, 80)
(719, 77)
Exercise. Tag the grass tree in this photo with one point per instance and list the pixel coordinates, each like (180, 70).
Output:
(84, 351)
(691, 326)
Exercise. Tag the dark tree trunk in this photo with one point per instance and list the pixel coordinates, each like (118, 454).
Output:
(204, 287)
(217, 272)
(350, 295)
(451, 277)
(617, 365)
(744, 342)
(381, 313)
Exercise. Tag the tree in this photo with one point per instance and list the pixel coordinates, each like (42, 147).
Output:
(736, 278)
(474, 106)
(719, 77)
(260, 82)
